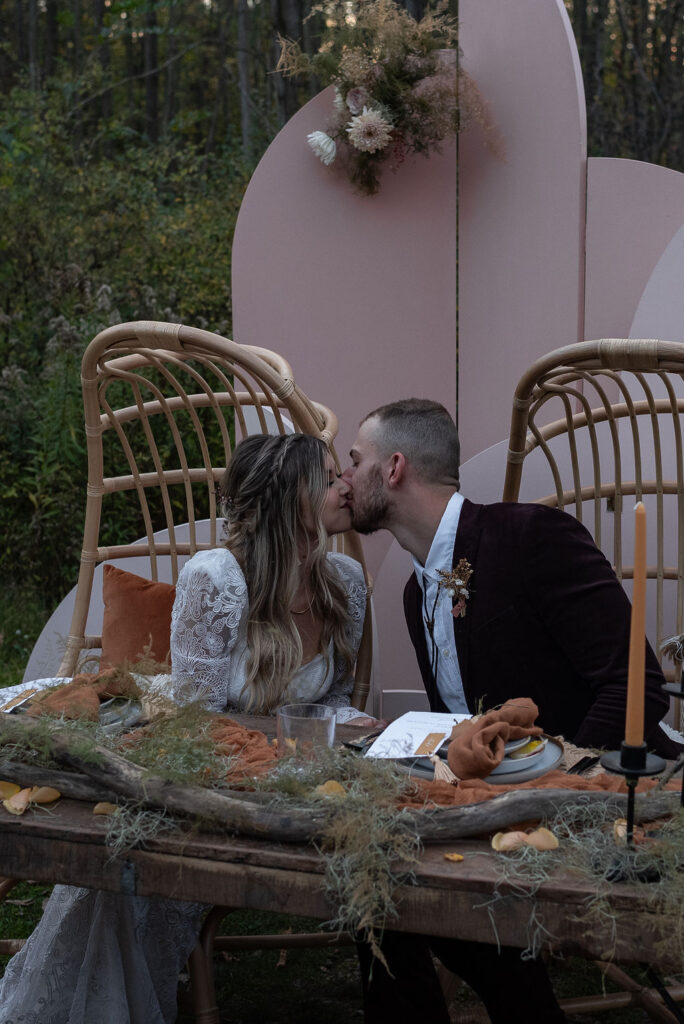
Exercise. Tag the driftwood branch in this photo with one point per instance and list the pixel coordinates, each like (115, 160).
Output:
(69, 784)
(248, 815)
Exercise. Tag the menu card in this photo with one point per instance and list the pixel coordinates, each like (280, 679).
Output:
(415, 734)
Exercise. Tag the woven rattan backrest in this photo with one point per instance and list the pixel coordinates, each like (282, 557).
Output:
(164, 407)
(607, 417)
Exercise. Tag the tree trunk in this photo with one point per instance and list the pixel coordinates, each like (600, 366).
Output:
(34, 77)
(104, 57)
(243, 78)
(286, 16)
(223, 13)
(150, 50)
(21, 44)
(51, 37)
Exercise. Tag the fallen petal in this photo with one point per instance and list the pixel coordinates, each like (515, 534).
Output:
(8, 789)
(543, 839)
(18, 803)
(506, 841)
(104, 808)
(330, 788)
(44, 795)
(456, 858)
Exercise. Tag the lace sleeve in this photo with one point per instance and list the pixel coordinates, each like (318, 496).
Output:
(211, 599)
(339, 694)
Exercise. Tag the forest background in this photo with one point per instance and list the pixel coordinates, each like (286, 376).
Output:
(128, 132)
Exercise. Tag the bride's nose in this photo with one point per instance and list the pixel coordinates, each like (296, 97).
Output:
(342, 486)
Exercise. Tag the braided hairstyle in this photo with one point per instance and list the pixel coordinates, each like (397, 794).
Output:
(270, 482)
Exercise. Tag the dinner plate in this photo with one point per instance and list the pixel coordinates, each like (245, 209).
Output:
(519, 764)
(550, 758)
(515, 744)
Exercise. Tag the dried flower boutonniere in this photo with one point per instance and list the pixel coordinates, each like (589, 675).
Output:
(455, 582)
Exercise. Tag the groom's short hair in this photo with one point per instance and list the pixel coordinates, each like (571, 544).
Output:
(424, 432)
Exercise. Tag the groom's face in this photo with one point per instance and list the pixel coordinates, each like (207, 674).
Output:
(368, 502)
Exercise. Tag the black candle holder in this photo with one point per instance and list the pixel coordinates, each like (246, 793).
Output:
(634, 763)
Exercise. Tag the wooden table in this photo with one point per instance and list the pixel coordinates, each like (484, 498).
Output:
(66, 844)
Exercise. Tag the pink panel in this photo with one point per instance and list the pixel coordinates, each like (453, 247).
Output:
(358, 293)
(633, 212)
(521, 221)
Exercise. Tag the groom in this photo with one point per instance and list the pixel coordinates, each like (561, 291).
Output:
(506, 600)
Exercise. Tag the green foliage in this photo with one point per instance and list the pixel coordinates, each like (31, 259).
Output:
(87, 242)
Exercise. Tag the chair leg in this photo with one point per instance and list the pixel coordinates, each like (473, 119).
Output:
(633, 994)
(201, 964)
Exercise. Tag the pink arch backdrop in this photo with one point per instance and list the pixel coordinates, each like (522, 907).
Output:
(360, 294)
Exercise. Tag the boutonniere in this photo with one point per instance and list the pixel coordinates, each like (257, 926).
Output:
(455, 582)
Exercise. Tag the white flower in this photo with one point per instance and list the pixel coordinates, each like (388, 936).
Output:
(369, 131)
(323, 146)
(451, 592)
(357, 99)
(339, 106)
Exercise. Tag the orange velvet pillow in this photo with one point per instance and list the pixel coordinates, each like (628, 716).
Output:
(136, 612)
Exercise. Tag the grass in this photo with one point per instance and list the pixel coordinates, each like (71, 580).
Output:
(22, 617)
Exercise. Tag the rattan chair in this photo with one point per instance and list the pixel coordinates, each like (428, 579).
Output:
(164, 406)
(599, 424)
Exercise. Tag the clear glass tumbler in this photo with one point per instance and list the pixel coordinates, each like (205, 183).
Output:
(304, 728)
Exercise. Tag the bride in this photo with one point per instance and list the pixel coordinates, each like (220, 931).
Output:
(267, 619)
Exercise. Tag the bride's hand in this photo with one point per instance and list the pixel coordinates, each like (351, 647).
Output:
(367, 722)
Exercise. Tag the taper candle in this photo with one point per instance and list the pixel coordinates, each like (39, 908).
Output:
(634, 726)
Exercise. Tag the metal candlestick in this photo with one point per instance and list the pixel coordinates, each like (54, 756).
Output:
(634, 763)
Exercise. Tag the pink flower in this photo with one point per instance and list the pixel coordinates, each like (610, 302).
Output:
(357, 99)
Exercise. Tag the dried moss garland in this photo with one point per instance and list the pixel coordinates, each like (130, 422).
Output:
(588, 849)
(369, 848)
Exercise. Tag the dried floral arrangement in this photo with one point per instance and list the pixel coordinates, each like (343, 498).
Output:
(399, 88)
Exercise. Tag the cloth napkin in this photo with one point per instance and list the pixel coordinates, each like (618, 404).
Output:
(81, 698)
(477, 745)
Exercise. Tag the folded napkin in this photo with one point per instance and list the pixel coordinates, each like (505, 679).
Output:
(442, 794)
(81, 698)
(477, 745)
(253, 752)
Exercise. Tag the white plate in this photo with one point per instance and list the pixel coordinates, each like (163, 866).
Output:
(516, 744)
(518, 764)
(549, 759)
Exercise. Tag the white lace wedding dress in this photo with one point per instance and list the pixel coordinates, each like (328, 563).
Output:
(106, 958)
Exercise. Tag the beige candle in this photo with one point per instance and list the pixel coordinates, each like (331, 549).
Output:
(634, 726)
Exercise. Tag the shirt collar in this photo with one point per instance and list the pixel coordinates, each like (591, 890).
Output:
(441, 553)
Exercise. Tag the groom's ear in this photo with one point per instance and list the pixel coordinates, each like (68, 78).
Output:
(396, 470)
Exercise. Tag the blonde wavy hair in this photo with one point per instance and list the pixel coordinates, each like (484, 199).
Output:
(269, 485)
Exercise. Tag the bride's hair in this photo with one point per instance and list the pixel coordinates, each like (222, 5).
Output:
(270, 485)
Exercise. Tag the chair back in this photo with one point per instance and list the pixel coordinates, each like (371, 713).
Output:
(164, 406)
(602, 421)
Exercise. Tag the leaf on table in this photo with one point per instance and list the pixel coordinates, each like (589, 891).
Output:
(44, 795)
(104, 807)
(455, 858)
(330, 788)
(18, 803)
(8, 789)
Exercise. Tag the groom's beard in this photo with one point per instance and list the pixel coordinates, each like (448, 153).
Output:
(369, 511)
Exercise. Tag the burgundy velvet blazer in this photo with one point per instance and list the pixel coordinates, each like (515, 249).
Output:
(546, 619)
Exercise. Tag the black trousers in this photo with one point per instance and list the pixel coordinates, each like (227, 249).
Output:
(514, 991)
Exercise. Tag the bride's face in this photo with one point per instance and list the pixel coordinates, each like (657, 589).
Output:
(335, 514)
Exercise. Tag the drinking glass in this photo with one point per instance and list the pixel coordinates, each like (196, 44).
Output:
(304, 728)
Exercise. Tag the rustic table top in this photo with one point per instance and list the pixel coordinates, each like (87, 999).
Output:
(66, 843)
